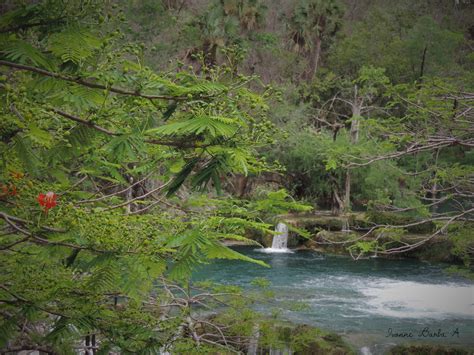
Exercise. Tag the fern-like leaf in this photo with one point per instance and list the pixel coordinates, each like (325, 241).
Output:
(212, 170)
(25, 154)
(212, 125)
(218, 251)
(74, 44)
(22, 52)
(181, 176)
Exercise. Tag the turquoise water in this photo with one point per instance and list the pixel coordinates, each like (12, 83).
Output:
(370, 302)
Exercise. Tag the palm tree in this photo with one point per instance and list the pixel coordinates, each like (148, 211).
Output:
(312, 22)
(221, 23)
(216, 28)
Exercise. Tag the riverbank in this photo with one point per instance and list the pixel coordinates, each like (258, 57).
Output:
(342, 234)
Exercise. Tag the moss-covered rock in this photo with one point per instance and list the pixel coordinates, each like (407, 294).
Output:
(392, 218)
(310, 340)
(427, 349)
(438, 249)
(302, 340)
(324, 220)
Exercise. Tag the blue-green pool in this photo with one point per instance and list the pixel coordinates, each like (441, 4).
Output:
(370, 302)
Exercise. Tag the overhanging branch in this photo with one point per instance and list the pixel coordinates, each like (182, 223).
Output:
(178, 143)
(90, 84)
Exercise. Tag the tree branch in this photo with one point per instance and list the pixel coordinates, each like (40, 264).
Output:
(178, 144)
(90, 84)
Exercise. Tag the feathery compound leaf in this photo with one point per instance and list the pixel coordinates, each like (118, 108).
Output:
(103, 278)
(74, 44)
(79, 97)
(212, 170)
(22, 52)
(40, 136)
(240, 239)
(216, 250)
(8, 327)
(121, 148)
(81, 136)
(25, 154)
(190, 246)
(212, 125)
(181, 176)
(205, 88)
(20, 15)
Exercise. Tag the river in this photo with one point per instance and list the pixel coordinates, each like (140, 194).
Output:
(372, 303)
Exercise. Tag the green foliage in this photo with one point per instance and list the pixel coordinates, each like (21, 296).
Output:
(23, 52)
(383, 40)
(73, 44)
(86, 115)
(463, 240)
(94, 123)
(313, 17)
(214, 126)
(277, 202)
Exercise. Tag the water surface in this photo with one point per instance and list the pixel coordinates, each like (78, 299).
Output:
(367, 301)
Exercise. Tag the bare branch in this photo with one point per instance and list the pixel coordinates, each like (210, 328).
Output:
(139, 197)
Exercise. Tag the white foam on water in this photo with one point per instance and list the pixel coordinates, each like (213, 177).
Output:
(408, 299)
(274, 250)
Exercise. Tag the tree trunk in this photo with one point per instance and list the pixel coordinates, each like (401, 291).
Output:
(347, 192)
(337, 203)
(129, 196)
(422, 66)
(314, 59)
(210, 54)
(354, 133)
(241, 182)
(434, 188)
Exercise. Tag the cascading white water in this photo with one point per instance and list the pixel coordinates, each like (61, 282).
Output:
(280, 240)
(345, 226)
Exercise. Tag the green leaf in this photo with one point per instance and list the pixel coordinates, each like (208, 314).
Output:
(181, 176)
(22, 52)
(219, 251)
(213, 126)
(39, 136)
(73, 44)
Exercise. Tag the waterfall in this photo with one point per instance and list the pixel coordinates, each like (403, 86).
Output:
(280, 240)
(345, 225)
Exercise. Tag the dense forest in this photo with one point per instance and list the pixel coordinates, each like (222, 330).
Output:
(139, 140)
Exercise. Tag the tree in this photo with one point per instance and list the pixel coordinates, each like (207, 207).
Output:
(366, 88)
(250, 13)
(216, 29)
(312, 22)
(430, 146)
(94, 148)
(406, 42)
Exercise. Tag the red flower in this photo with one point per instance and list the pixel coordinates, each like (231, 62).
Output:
(47, 201)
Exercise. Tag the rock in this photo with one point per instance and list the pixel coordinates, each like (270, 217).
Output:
(425, 349)
(305, 339)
